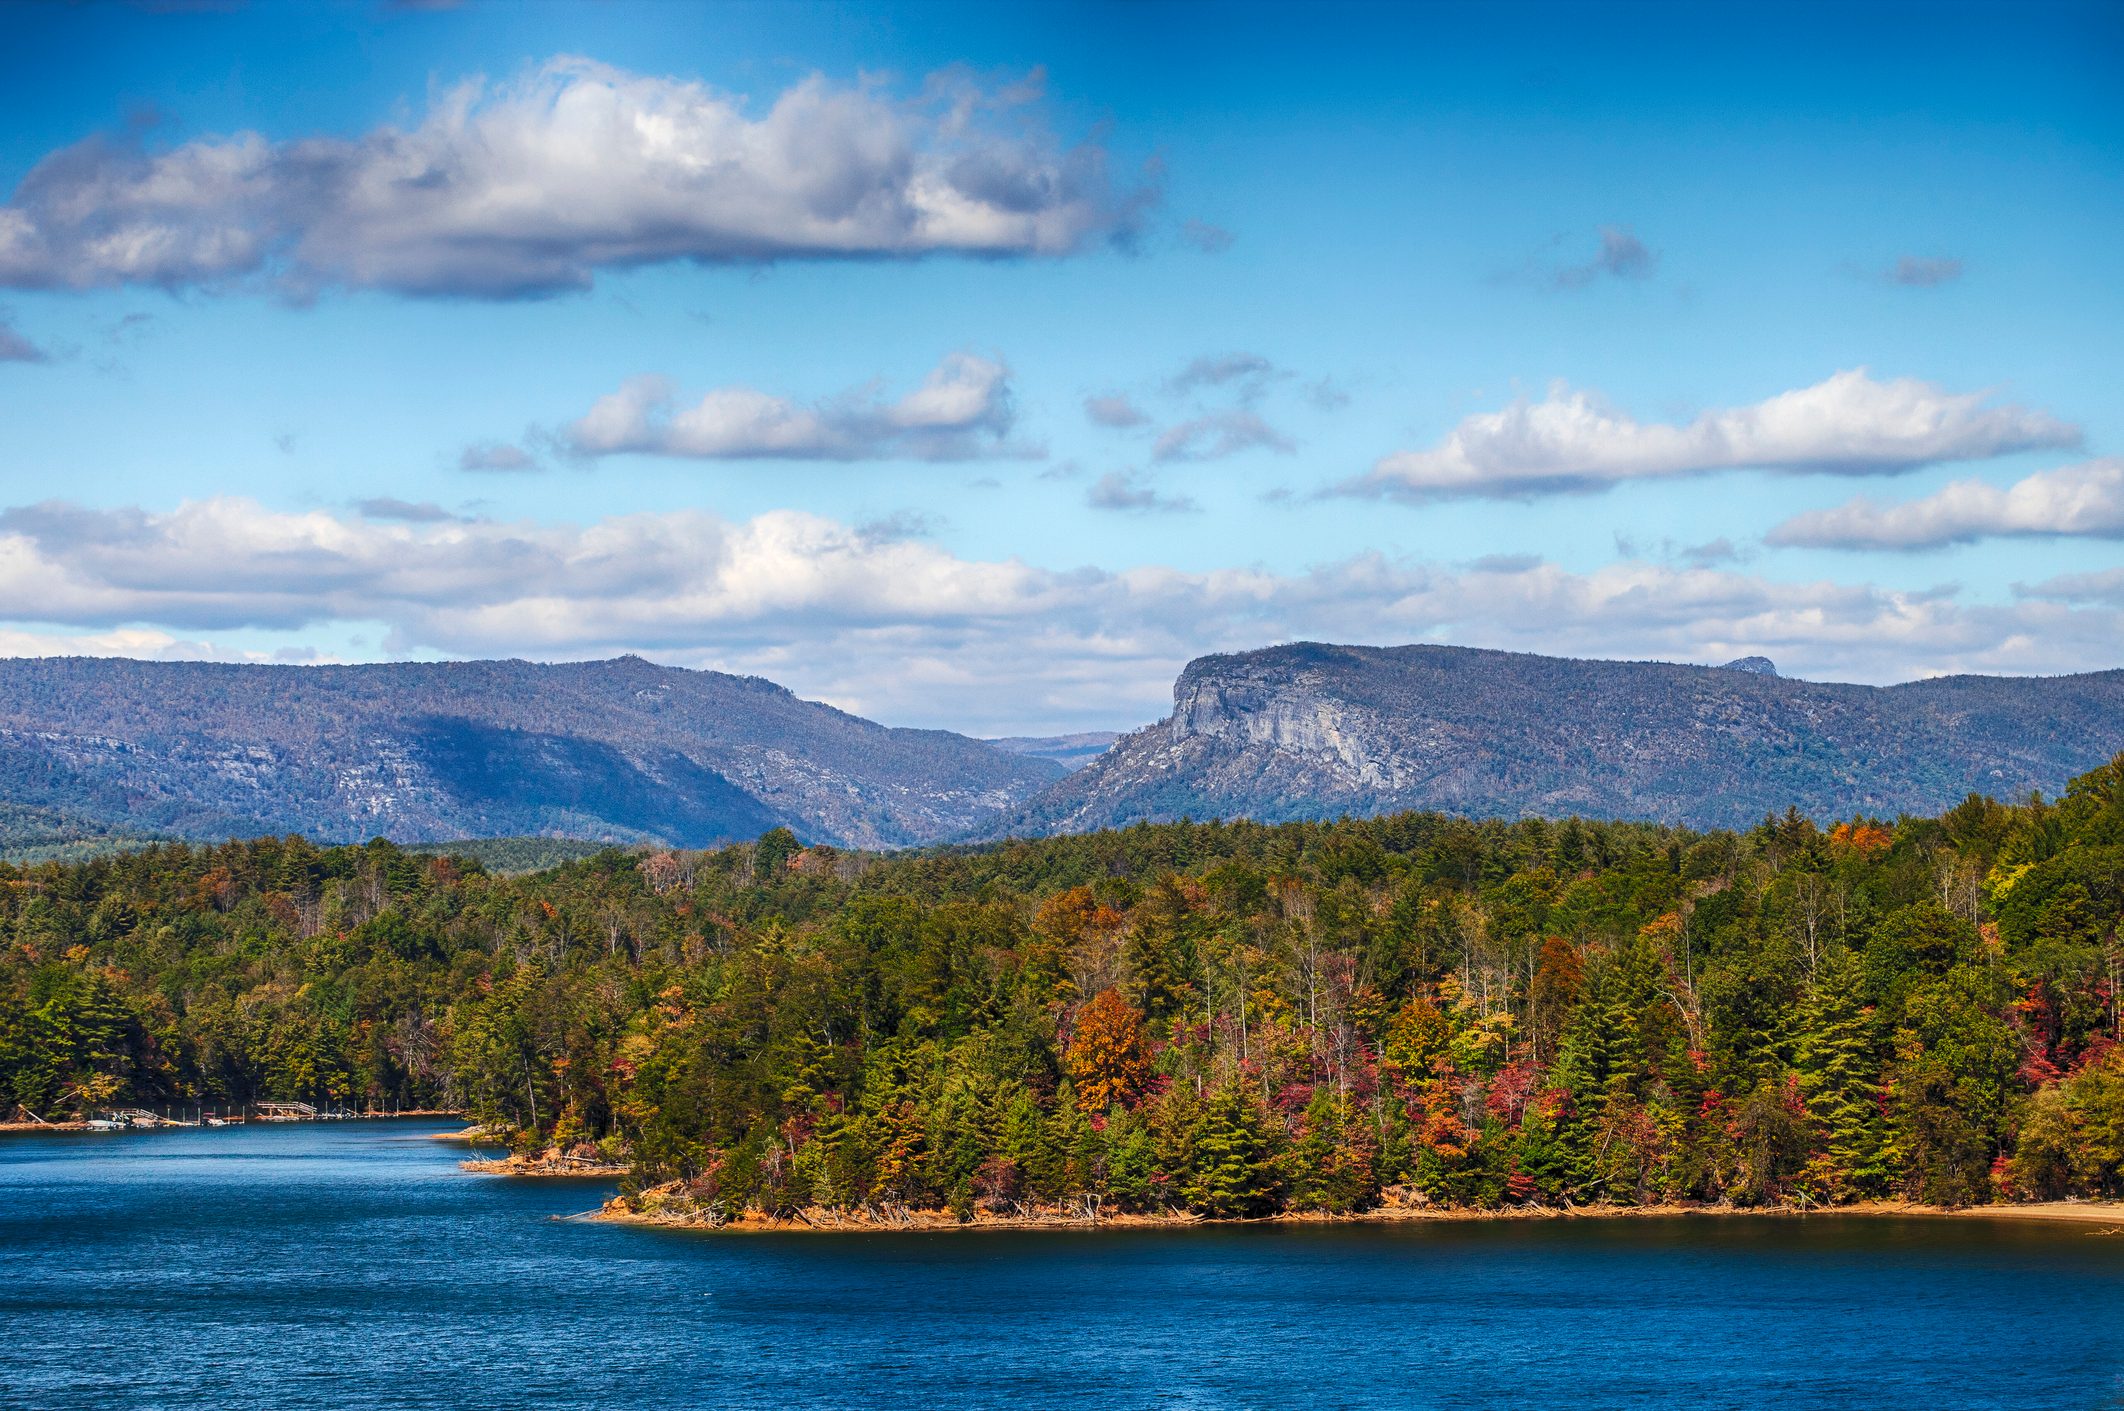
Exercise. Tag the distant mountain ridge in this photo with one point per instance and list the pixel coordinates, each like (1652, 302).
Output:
(1069, 751)
(619, 750)
(1313, 731)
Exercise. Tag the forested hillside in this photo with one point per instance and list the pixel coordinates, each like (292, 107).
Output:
(99, 751)
(1229, 1019)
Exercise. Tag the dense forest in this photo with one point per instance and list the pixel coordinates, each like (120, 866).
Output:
(1231, 1019)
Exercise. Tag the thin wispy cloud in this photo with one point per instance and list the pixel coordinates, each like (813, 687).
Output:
(15, 348)
(1221, 390)
(1847, 424)
(2085, 500)
(2105, 587)
(1116, 411)
(1117, 490)
(495, 455)
(1922, 272)
(1246, 373)
(390, 509)
(1708, 554)
(1209, 239)
(962, 410)
(1217, 435)
(532, 186)
(897, 526)
(1325, 394)
(1621, 256)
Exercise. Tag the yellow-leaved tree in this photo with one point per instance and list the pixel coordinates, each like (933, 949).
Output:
(1109, 1059)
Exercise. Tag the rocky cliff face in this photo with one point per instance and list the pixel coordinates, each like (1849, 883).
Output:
(1311, 731)
(618, 750)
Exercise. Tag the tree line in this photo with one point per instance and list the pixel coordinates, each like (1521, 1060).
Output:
(1227, 1018)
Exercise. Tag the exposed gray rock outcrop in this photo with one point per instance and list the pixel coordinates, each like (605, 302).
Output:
(1312, 731)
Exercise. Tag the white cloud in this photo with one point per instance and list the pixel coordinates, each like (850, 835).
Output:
(2085, 499)
(907, 631)
(1848, 424)
(962, 409)
(530, 187)
(139, 643)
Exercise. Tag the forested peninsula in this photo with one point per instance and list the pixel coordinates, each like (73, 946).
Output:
(1216, 1020)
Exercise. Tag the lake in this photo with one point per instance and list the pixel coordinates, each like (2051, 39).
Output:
(353, 1265)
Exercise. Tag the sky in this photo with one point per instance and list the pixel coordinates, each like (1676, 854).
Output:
(978, 366)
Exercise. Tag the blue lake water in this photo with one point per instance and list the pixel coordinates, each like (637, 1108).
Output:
(353, 1265)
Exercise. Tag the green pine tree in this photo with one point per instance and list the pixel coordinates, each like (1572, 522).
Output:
(1836, 1051)
(1232, 1174)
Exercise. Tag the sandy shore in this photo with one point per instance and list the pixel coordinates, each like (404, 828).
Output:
(660, 1211)
(2077, 1212)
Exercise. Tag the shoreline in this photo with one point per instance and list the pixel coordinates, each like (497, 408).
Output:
(81, 1125)
(658, 1215)
(2108, 1214)
(12, 1128)
(543, 1166)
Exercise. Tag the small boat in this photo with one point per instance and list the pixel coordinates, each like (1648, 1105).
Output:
(104, 1124)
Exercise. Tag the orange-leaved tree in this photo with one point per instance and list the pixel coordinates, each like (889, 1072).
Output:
(1109, 1060)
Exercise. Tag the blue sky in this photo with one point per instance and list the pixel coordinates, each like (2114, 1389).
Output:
(1645, 331)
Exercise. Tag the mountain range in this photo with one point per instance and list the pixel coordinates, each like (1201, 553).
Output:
(620, 750)
(1313, 731)
(98, 752)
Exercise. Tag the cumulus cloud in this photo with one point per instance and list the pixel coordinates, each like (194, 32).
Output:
(141, 643)
(531, 186)
(905, 630)
(962, 409)
(1115, 410)
(1118, 491)
(1621, 256)
(1848, 424)
(1921, 272)
(14, 348)
(1219, 434)
(2085, 499)
(495, 455)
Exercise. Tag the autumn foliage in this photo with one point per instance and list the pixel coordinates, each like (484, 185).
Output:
(1231, 1019)
(1109, 1059)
